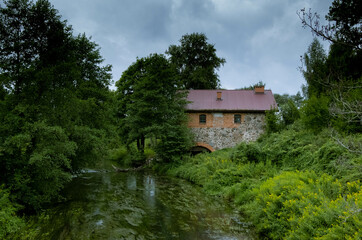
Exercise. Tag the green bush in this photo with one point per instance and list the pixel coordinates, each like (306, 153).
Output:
(272, 121)
(306, 205)
(118, 154)
(289, 112)
(10, 223)
(219, 175)
(149, 153)
(253, 175)
(315, 113)
(247, 152)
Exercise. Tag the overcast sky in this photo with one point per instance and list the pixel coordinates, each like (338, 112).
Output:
(261, 40)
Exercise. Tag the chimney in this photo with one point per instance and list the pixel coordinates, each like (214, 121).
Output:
(218, 96)
(259, 89)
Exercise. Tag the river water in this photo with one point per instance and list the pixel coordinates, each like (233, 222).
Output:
(139, 205)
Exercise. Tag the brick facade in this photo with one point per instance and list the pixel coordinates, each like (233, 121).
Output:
(220, 131)
(223, 120)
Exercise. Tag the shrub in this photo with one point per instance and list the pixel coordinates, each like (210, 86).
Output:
(304, 205)
(118, 154)
(289, 112)
(9, 222)
(315, 113)
(272, 121)
(247, 152)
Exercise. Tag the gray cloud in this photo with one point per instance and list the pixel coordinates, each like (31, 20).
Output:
(260, 39)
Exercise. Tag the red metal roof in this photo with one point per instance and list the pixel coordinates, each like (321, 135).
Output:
(232, 100)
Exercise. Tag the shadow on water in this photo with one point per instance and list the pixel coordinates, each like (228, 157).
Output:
(139, 206)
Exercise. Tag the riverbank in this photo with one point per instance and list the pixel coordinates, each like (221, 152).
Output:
(291, 185)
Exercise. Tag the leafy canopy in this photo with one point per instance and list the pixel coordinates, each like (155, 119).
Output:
(196, 62)
(53, 102)
(151, 104)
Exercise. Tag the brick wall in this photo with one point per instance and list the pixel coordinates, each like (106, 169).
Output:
(225, 120)
(220, 131)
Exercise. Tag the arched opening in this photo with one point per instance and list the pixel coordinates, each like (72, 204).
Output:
(201, 148)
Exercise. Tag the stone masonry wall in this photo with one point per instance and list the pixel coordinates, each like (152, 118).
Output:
(220, 131)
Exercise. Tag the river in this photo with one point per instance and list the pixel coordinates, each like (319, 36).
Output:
(139, 205)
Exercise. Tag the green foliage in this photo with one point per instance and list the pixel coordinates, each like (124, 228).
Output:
(293, 184)
(37, 163)
(272, 121)
(285, 98)
(315, 113)
(54, 102)
(247, 152)
(315, 68)
(196, 62)
(218, 173)
(90, 146)
(300, 149)
(175, 142)
(337, 74)
(290, 113)
(305, 205)
(118, 154)
(347, 18)
(10, 223)
(152, 106)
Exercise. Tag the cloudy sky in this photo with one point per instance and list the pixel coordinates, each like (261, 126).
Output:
(261, 40)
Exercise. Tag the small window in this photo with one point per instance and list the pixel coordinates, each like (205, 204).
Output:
(202, 118)
(237, 118)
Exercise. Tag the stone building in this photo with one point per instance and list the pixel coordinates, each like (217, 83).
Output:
(223, 118)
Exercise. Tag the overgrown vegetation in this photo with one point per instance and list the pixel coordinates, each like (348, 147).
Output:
(292, 185)
(301, 180)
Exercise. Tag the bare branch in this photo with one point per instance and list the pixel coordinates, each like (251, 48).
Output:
(349, 110)
(351, 146)
(326, 32)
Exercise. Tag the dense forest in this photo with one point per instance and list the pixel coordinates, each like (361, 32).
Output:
(300, 180)
(55, 108)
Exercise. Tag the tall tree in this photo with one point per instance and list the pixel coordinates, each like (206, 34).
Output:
(347, 18)
(340, 78)
(53, 91)
(196, 62)
(315, 68)
(151, 104)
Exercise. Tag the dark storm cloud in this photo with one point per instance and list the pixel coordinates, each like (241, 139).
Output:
(260, 39)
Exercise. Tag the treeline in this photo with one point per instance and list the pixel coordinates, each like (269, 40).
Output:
(332, 93)
(56, 110)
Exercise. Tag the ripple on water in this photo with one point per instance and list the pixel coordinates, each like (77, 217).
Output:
(140, 206)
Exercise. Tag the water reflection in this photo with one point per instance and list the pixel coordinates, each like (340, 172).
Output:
(149, 191)
(139, 206)
(131, 182)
